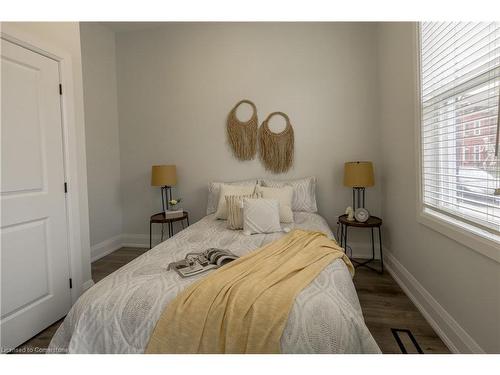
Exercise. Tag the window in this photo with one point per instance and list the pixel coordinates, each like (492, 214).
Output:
(477, 129)
(477, 153)
(460, 83)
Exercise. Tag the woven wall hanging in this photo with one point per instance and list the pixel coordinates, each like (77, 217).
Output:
(276, 149)
(242, 135)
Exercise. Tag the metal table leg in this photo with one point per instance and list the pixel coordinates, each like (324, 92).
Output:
(381, 254)
(373, 246)
(365, 263)
(345, 240)
(342, 236)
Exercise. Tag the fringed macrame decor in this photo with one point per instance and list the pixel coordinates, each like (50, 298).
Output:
(242, 136)
(276, 149)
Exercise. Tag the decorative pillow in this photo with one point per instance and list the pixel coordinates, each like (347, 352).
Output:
(304, 192)
(234, 205)
(214, 190)
(230, 190)
(284, 196)
(261, 216)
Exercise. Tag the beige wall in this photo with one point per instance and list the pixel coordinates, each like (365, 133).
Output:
(465, 283)
(177, 83)
(101, 127)
(65, 36)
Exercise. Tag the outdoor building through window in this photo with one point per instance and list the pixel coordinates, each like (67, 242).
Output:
(460, 83)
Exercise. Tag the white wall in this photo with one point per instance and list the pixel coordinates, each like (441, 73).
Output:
(463, 282)
(349, 90)
(101, 127)
(65, 36)
(177, 83)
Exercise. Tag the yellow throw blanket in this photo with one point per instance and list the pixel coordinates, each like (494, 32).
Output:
(243, 307)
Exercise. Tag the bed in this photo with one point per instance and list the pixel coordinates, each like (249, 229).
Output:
(119, 313)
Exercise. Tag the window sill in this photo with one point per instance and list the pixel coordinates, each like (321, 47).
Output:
(485, 243)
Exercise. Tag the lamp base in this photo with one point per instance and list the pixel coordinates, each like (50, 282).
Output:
(358, 197)
(166, 196)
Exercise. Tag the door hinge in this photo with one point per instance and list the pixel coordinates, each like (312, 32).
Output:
(60, 89)
(71, 283)
(66, 187)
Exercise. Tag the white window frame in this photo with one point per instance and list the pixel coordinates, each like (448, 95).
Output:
(477, 130)
(476, 153)
(472, 237)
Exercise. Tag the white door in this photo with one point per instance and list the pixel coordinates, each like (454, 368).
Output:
(34, 242)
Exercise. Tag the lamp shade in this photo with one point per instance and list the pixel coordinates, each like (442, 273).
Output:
(358, 174)
(163, 175)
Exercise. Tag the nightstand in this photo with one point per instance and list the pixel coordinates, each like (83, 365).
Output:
(372, 223)
(160, 219)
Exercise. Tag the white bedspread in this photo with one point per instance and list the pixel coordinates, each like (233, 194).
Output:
(118, 314)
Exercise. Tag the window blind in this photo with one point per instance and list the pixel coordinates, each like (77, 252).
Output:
(460, 83)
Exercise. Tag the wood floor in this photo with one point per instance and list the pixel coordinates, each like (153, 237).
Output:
(384, 304)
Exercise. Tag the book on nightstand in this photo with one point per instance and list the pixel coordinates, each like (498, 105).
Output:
(173, 214)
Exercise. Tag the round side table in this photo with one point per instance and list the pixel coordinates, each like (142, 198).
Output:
(159, 218)
(371, 223)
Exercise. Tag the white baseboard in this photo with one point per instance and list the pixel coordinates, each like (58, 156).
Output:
(123, 240)
(447, 328)
(139, 240)
(87, 284)
(105, 247)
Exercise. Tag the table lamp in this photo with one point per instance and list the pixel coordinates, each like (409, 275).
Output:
(358, 175)
(166, 177)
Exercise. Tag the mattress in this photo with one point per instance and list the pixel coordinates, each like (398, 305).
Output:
(119, 313)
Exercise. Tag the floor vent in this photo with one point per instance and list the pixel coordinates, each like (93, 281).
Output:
(404, 336)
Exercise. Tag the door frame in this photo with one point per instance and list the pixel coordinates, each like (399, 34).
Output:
(72, 145)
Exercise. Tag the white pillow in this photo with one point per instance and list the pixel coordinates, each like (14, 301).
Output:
(234, 204)
(260, 216)
(284, 196)
(214, 191)
(230, 190)
(304, 192)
